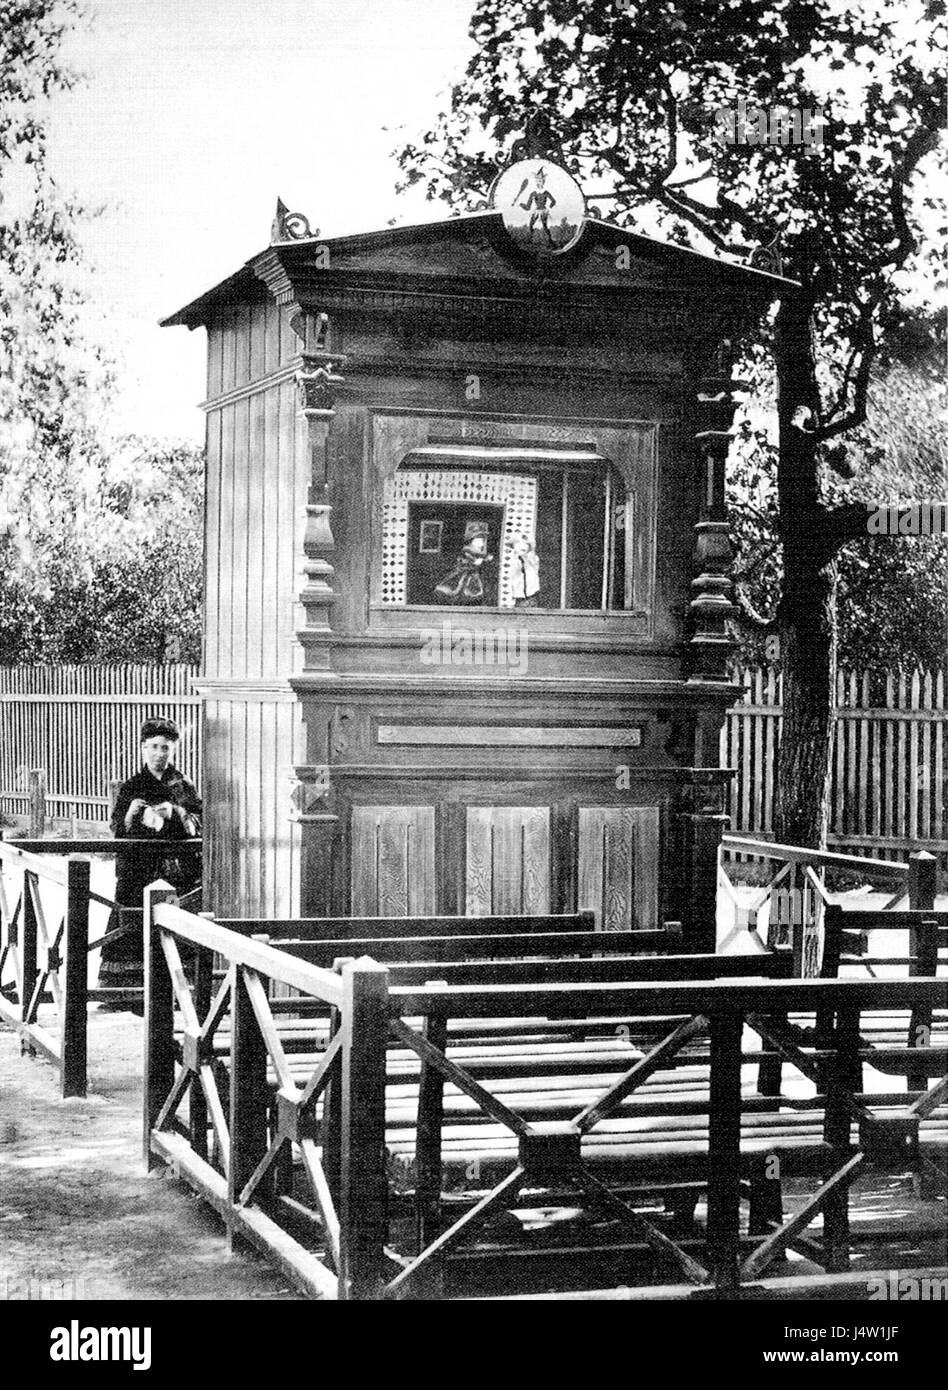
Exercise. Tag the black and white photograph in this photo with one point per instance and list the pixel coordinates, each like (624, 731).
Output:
(473, 657)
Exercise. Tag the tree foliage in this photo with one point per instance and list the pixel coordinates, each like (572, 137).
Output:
(132, 589)
(99, 537)
(893, 592)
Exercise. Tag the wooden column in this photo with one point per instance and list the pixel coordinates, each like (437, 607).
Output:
(75, 1017)
(318, 382)
(922, 881)
(724, 1148)
(703, 823)
(923, 948)
(28, 950)
(159, 1019)
(711, 605)
(428, 1154)
(249, 1095)
(842, 1068)
(363, 1207)
(37, 787)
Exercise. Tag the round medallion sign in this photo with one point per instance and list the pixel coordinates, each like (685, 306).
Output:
(542, 206)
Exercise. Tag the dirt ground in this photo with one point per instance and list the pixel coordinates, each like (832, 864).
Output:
(79, 1217)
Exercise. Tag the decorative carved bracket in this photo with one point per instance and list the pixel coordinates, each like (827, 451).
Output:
(310, 798)
(317, 382)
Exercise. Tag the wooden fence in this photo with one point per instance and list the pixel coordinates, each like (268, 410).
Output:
(890, 758)
(80, 724)
(889, 788)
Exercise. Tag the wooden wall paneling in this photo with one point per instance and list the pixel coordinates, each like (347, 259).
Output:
(298, 744)
(647, 867)
(288, 531)
(238, 800)
(508, 860)
(215, 359)
(257, 557)
(241, 540)
(225, 593)
(244, 343)
(228, 348)
(606, 868)
(270, 507)
(289, 343)
(364, 862)
(271, 340)
(280, 792)
(618, 866)
(564, 858)
(254, 830)
(479, 858)
(268, 826)
(393, 861)
(450, 857)
(208, 790)
(223, 818)
(211, 542)
(258, 337)
(342, 897)
(393, 854)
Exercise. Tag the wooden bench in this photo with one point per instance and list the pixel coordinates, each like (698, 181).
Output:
(545, 1067)
(473, 1151)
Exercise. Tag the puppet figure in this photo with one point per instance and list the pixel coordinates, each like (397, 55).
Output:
(524, 573)
(463, 582)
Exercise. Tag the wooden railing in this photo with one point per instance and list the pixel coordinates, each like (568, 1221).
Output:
(45, 900)
(256, 1106)
(795, 897)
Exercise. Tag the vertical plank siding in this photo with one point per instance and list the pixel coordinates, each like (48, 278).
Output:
(256, 486)
(888, 771)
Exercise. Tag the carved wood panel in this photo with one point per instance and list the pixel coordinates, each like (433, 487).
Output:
(393, 861)
(508, 860)
(618, 866)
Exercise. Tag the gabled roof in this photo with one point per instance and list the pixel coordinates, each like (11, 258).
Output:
(386, 252)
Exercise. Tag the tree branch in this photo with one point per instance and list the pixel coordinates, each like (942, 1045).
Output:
(919, 144)
(863, 342)
(748, 616)
(857, 415)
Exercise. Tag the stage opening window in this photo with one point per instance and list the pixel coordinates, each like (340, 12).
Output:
(479, 527)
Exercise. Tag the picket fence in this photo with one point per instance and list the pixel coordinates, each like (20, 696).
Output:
(80, 724)
(889, 772)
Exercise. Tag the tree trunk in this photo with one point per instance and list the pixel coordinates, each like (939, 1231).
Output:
(807, 624)
(806, 615)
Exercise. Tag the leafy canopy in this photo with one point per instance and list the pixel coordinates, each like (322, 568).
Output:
(100, 548)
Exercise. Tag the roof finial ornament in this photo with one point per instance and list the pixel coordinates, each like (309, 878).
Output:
(290, 226)
(767, 257)
(537, 140)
